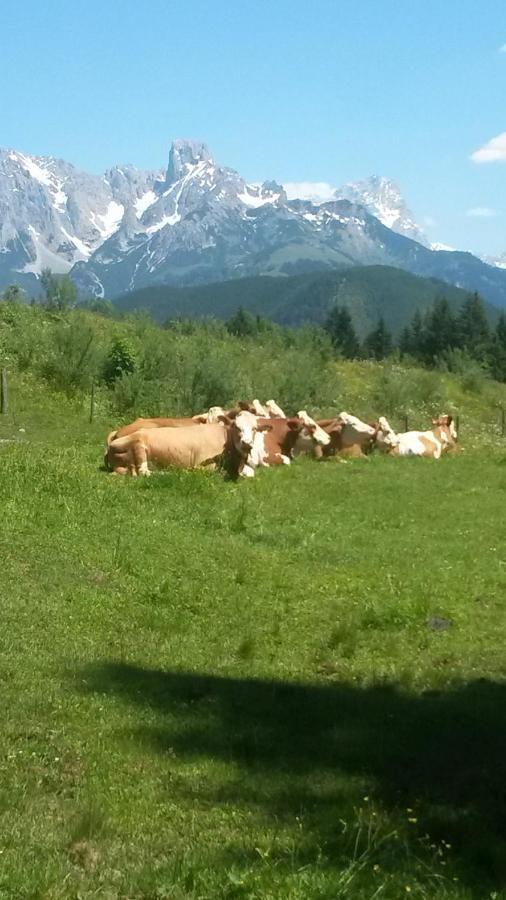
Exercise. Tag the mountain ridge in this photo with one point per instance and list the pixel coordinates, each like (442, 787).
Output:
(367, 291)
(198, 222)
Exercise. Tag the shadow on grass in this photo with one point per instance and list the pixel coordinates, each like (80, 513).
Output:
(297, 745)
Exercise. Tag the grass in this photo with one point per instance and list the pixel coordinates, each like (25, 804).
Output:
(287, 688)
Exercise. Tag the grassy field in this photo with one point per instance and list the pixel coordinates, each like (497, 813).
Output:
(287, 688)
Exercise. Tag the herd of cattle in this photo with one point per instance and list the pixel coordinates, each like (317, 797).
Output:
(252, 435)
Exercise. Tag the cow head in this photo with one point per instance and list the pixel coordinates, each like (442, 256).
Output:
(258, 410)
(386, 438)
(313, 430)
(247, 437)
(274, 411)
(446, 422)
(214, 414)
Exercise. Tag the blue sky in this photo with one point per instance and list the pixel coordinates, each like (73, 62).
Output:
(296, 90)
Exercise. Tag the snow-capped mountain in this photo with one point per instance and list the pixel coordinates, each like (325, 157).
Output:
(380, 196)
(198, 222)
(498, 261)
(52, 215)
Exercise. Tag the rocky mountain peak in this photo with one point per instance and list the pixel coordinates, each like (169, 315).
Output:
(184, 155)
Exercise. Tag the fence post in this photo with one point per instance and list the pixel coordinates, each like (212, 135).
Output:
(406, 428)
(457, 426)
(92, 401)
(503, 421)
(4, 394)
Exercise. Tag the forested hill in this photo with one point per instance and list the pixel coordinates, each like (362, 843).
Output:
(368, 291)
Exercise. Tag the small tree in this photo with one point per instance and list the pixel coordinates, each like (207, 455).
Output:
(243, 324)
(339, 326)
(378, 343)
(60, 290)
(13, 293)
(121, 360)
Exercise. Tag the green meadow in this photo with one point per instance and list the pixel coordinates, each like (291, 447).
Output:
(291, 687)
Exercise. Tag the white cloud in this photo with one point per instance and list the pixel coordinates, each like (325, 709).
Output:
(429, 222)
(493, 151)
(502, 49)
(482, 212)
(317, 191)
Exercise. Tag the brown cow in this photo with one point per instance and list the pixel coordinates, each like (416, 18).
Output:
(188, 448)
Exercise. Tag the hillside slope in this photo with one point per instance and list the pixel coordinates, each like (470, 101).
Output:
(368, 291)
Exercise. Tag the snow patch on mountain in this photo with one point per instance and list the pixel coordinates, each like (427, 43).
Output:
(143, 203)
(438, 246)
(108, 223)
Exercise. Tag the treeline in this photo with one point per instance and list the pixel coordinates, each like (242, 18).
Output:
(439, 338)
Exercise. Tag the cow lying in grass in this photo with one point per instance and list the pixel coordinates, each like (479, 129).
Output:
(432, 443)
(259, 441)
(349, 436)
(187, 447)
(213, 415)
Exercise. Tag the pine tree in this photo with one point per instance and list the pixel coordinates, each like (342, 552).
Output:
(497, 350)
(378, 343)
(440, 331)
(406, 341)
(339, 326)
(474, 332)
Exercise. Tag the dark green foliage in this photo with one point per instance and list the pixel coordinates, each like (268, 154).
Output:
(473, 330)
(339, 325)
(243, 324)
(366, 291)
(440, 332)
(497, 350)
(378, 343)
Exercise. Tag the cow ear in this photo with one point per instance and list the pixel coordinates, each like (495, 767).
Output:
(294, 424)
(449, 420)
(265, 427)
(201, 420)
(232, 413)
(225, 419)
(244, 405)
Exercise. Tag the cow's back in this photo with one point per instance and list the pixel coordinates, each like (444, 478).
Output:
(139, 424)
(185, 446)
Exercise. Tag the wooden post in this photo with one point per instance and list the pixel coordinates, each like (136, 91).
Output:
(457, 426)
(4, 394)
(503, 421)
(406, 428)
(92, 401)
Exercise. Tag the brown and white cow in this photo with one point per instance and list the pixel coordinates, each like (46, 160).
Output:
(187, 447)
(431, 443)
(349, 435)
(259, 441)
(314, 440)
